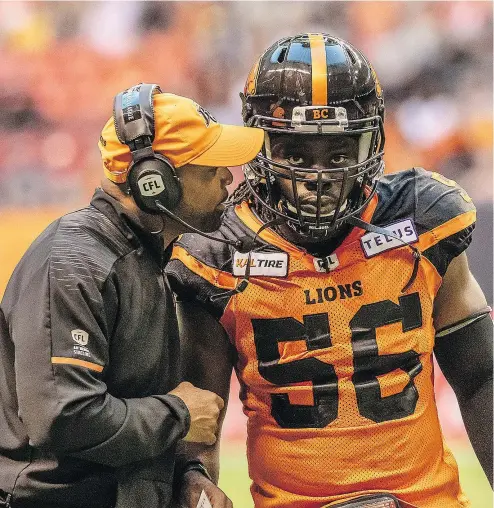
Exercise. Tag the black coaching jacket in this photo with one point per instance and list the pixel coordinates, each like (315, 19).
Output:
(88, 350)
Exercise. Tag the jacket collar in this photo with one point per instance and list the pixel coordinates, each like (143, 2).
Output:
(129, 224)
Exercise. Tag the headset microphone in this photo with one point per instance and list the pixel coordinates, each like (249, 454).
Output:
(243, 244)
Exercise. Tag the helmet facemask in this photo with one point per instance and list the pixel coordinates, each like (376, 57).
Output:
(329, 194)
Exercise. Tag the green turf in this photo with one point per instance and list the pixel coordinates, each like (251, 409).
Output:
(472, 478)
(235, 482)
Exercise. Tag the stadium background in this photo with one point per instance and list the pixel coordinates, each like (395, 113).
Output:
(61, 63)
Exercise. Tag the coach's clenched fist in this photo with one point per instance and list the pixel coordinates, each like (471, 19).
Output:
(204, 408)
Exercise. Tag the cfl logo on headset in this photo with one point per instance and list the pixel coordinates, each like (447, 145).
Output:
(151, 185)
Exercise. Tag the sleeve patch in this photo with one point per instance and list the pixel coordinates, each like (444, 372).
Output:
(215, 277)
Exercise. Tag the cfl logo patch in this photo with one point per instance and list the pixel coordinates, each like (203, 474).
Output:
(80, 336)
(326, 264)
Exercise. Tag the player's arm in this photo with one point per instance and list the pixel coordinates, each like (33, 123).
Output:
(464, 352)
(207, 361)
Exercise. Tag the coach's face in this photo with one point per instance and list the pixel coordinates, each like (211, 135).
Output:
(204, 191)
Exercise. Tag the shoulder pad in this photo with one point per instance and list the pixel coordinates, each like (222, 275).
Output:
(442, 212)
(428, 198)
(440, 201)
(200, 267)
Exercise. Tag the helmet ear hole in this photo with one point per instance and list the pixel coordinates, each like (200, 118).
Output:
(282, 55)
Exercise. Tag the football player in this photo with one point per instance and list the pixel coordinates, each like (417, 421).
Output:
(343, 285)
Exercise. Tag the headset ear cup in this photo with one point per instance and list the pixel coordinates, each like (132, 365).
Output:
(152, 180)
(172, 183)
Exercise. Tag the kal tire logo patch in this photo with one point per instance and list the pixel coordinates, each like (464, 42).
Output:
(269, 264)
(375, 243)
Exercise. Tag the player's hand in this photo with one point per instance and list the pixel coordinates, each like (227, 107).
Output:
(193, 483)
(204, 408)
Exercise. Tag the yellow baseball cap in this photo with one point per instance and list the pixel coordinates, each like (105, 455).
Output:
(184, 133)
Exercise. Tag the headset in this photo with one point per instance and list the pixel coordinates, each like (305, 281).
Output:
(151, 178)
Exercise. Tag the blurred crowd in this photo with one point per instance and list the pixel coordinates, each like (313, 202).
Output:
(62, 63)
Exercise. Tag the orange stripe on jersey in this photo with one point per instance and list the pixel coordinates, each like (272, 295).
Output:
(213, 276)
(449, 228)
(319, 70)
(79, 363)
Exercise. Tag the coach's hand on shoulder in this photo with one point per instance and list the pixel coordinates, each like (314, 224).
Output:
(204, 408)
(193, 483)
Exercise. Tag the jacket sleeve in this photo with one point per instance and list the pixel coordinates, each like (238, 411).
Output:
(60, 331)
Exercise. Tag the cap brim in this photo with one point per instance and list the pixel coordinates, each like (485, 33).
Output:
(235, 146)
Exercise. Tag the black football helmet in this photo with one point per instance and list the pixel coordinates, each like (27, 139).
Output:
(321, 85)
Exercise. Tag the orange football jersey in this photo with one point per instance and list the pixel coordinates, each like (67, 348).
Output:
(334, 359)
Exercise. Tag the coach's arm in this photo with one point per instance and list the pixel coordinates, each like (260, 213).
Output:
(464, 352)
(207, 362)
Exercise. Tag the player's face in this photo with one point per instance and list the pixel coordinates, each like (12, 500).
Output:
(203, 195)
(314, 152)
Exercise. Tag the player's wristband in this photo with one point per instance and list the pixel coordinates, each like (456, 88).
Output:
(196, 465)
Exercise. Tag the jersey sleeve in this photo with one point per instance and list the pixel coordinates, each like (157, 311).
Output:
(444, 216)
(200, 268)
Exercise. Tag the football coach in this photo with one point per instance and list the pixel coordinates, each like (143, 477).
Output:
(89, 347)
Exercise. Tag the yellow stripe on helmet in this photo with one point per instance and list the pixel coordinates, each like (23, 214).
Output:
(251, 83)
(319, 70)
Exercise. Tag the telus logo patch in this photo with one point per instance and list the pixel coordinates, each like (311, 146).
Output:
(375, 243)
